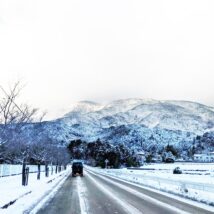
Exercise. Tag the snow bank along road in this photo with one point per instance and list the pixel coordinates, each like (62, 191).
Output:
(99, 194)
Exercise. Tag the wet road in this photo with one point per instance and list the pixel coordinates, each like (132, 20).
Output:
(99, 194)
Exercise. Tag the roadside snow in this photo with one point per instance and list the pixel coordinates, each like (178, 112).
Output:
(27, 197)
(183, 165)
(196, 186)
(144, 197)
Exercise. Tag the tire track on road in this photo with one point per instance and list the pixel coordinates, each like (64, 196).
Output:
(128, 208)
(144, 197)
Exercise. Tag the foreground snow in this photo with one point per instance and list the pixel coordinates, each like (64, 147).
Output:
(28, 198)
(196, 182)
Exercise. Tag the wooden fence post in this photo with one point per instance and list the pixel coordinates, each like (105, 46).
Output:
(39, 171)
(23, 173)
(46, 170)
(26, 175)
(56, 169)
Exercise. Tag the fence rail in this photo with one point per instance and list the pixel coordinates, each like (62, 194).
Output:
(10, 169)
(164, 182)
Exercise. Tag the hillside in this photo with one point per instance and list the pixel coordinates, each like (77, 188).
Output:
(138, 123)
(172, 115)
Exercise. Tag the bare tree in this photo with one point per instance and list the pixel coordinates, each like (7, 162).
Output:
(13, 116)
(42, 153)
(11, 112)
(17, 149)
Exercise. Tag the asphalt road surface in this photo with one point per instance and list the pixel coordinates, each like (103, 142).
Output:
(99, 194)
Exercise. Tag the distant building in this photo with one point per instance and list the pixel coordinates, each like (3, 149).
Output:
(141, 157)
(205, 157)
(157, 159)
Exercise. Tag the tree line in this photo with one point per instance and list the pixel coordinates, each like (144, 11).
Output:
(95, 153)
(14, 115)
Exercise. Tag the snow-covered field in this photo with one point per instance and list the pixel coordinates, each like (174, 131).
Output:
(196, 182)
(28, 197)
(183, 165)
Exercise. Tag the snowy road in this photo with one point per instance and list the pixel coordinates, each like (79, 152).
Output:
(99, 194)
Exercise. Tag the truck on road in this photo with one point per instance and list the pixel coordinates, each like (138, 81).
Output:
(77, 169)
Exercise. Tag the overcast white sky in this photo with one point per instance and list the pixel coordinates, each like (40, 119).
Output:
(101, 50)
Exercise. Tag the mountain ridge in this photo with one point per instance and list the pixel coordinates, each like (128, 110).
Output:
(167, 114)
(137, 123)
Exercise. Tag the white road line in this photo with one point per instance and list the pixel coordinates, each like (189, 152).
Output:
(128, 208)
(143, 196)
(81, 189)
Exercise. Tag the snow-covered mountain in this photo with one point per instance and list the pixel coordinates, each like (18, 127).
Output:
(171, 115)
(134, 122)
(84, 107)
